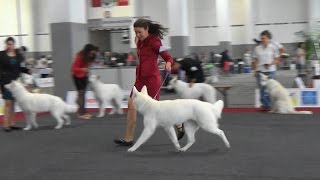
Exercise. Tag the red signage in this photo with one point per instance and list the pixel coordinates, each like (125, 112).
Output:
(96, 3)
(123, 2)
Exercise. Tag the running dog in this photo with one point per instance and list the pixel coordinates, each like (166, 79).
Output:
(279, 96)
(106, 93)
(193, 113)
(197, 91)
(32, 103)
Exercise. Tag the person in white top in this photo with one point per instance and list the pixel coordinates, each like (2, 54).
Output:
(247, 57)
(301, 57)
(265, 58)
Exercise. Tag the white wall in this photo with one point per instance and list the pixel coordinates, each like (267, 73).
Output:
(157, 11)
(42, 38)
(263, 11)
(283, 33)
(8, 20)
(237, 12)
(41, 16)
(34, 20)
(204, 37)
(78, 11)
(275, 11)
(238, 35)
(202, 14)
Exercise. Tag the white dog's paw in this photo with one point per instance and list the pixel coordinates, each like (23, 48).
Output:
(27, 128)
(131, 150)
(228, 145)
(111, 112)
(68, 123)
(58, 127)
(177, 150)
(182, 150)
(100, 116)
(120, 112)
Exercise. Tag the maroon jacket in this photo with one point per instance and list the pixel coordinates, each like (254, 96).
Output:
(148, 53)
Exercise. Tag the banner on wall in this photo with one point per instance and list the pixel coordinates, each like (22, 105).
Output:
(122, 2)
(96, 3)
(91, 102)
(309, 97)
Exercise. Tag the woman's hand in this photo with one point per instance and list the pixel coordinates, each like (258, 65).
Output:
(136, 40)
(168, 66)
(85, 70)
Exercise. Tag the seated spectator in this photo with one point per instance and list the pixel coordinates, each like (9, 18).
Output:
(193, 69)
(131, 59)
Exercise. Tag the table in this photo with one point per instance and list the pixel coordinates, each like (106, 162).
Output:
(223, 89)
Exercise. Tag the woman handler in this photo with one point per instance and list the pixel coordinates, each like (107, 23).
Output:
(148, 35)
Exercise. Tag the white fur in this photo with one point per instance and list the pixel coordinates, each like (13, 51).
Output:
(207, 92)
(279, 96)
(27, 79)
(193, 113)
(106, 93)
(32, 103)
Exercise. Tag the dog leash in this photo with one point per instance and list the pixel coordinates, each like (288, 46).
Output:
(164, 80)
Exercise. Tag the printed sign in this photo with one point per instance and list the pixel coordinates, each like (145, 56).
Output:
(44, 82)
(309, 98)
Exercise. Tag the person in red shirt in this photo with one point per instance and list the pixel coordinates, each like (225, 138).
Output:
(148, 41)
(80, 69)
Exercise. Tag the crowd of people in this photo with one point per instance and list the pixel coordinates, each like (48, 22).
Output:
(114, 59)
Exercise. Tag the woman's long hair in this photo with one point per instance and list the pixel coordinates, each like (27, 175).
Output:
(154, 28)
(85, 52)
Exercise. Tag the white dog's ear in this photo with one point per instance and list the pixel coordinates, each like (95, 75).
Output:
(134, 90)
(144, 90)
(174, 80)
(263, 76)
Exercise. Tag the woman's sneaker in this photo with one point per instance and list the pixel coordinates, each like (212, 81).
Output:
(122, 142)
(180, 132)
(7, 129)
(15, 128)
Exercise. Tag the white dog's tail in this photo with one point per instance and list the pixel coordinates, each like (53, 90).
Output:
(217, 108)
(70, 108)
(301, 112)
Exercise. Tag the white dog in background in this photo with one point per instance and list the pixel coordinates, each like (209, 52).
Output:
(198, 90)
(32, 103)
(106, 93)
(193, 113)
(279, 96)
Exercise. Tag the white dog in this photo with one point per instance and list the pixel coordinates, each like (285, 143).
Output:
(106, 93)
(32, 103)
(198, 90)
(279, 96)
(193, 113)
